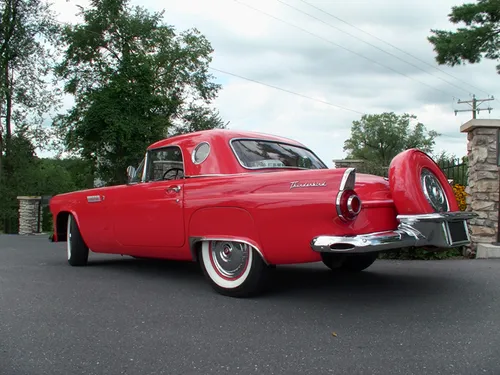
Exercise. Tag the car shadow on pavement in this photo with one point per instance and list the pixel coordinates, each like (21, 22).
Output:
(309, 281)
(150, 268)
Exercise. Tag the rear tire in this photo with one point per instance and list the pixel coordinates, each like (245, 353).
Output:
(349, 263)
(78, 251)
(233, 268)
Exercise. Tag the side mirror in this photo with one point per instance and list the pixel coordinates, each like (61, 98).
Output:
(131, 173)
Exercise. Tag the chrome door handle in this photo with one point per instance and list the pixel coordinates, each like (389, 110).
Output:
(173, 189)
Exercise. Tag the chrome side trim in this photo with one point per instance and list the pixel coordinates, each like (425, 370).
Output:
(194, 240)
(426, 230)
(437, 217)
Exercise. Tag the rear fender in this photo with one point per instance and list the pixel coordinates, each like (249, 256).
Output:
(222, 223)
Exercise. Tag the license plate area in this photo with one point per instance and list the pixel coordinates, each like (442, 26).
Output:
(456, 232)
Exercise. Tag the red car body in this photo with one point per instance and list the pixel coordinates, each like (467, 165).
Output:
(261, 199)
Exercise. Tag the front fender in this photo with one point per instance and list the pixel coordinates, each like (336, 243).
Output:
(223, 223)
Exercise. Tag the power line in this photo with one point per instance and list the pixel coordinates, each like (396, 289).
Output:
(262, 83)
(288, 91)
(340, 46)
(370, 44)
(393, 46)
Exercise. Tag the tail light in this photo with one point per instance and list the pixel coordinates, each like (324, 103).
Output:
(348, 203)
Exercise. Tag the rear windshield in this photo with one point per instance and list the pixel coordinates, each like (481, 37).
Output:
(258, 154)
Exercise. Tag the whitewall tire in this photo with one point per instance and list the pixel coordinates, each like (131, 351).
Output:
(233, 268)
(76, 249)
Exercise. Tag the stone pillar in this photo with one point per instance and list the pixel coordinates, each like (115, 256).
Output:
(347, 163)
(30, 215)
(483, 183)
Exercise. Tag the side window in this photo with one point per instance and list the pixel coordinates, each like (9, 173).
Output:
(165, 164)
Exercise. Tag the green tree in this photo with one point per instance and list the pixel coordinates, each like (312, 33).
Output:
(133, 78)
(480, 36)
(33, 176)
(28, 42)
(378, 138)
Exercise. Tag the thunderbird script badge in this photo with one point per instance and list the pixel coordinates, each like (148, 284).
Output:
(297, 184)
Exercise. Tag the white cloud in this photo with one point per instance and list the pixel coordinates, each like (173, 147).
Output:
(253, 45)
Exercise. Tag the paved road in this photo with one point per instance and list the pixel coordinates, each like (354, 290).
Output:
(125, 316)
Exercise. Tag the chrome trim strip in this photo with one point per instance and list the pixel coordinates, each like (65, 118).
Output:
(235, 174)
(437, 217)
(347, 183)
(430, 230)
(216, 175)
(194, 240)
(348, 179)
(146, 159)
(273, 141)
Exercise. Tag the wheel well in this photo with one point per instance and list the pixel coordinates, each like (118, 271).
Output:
(61, 223)
(196, 242)
(195, 248)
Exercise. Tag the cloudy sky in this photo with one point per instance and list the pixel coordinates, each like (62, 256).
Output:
(325, 58)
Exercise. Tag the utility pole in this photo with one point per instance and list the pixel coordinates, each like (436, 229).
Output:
(475, 103)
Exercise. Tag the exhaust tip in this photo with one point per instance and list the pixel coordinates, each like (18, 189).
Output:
(342, 246)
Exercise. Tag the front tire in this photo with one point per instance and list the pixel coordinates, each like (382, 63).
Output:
(77, 250)
(233, 268)
(349, 263)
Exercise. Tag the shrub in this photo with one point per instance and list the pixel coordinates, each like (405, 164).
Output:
(461, 195)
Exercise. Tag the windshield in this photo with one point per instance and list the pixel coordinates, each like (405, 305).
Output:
(258, 154)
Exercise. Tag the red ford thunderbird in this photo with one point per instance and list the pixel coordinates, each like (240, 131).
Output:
(240, 203)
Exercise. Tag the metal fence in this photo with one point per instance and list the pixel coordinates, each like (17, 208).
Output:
(455, 169)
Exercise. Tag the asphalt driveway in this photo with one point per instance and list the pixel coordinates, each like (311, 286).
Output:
(125, 316)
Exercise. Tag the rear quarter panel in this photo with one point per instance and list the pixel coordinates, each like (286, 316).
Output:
(281, 222)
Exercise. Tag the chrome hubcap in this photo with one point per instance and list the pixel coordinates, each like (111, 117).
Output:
(230, 258)
(433, 191)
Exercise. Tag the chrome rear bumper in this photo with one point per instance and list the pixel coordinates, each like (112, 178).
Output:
(441, 230)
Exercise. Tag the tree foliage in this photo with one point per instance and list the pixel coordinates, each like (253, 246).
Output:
(378, 138)
(28, 42)
(133, 79)
(479, 37)
(34, 176)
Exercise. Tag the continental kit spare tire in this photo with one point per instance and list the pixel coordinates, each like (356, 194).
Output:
(418, 185)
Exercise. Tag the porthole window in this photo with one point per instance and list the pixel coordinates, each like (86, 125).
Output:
(200, 153)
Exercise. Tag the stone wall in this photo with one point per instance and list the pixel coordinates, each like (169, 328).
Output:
(30, 218)
(362, 166)
(346, 163)
(483, 180)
